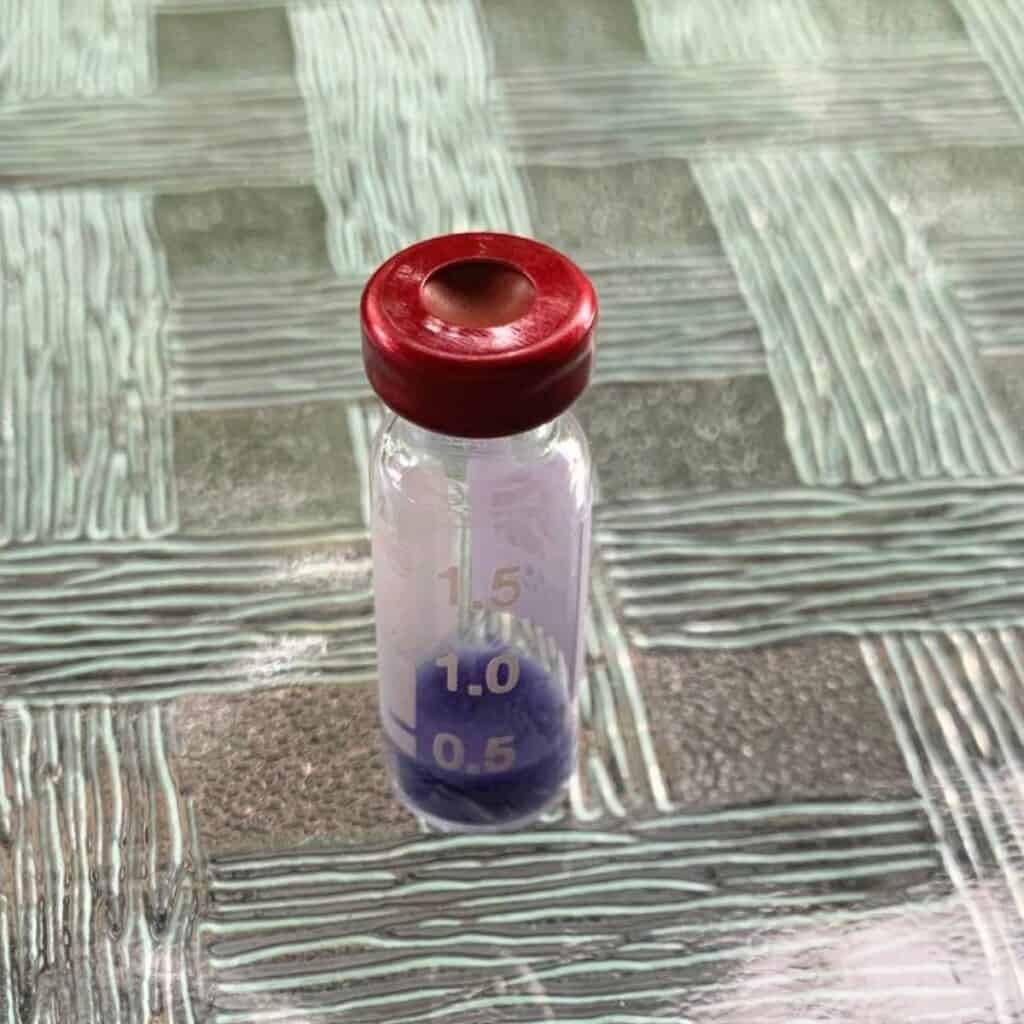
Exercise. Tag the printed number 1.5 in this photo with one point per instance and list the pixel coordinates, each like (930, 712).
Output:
(451, 574)
(505, 587)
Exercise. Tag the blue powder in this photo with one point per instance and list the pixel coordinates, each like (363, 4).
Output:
(502, 757)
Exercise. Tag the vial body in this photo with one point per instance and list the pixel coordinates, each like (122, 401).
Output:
(481, 561)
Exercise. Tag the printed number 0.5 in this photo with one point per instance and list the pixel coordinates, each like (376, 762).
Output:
(449, 751)
(500, 754)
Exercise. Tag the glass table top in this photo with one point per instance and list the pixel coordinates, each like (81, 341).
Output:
(801, 789)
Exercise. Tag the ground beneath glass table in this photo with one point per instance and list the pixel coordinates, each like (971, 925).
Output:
(801, 795)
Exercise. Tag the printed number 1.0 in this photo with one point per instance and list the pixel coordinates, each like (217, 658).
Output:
(492, 675)
(450, 662)
(498, 682)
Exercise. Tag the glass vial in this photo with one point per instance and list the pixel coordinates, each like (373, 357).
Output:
(481, 495)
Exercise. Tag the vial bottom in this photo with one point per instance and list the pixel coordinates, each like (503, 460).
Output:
(495, 741)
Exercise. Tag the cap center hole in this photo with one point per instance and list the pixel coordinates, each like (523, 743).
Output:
(478, 293)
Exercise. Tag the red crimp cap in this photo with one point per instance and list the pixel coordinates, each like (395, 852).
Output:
(479, 334)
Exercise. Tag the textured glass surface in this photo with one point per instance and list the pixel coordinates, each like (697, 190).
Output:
(801, 787)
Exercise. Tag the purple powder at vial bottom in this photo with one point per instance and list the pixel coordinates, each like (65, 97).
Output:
(487, 758)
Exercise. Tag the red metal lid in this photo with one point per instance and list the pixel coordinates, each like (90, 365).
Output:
(479, 334)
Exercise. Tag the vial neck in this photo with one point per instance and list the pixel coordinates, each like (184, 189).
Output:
(447, 445)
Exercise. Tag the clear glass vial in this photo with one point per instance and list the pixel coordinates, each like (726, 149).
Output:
(481, 498)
